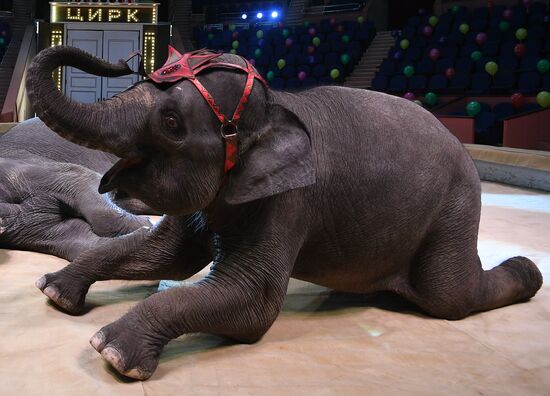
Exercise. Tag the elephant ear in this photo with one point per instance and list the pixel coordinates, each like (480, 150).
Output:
(279, 160)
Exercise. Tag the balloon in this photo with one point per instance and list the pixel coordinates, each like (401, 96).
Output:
(259, 34)
(4, 33)
(421, 11)
(333, 21)
(286, 32)
(519, 50)
(345, 58)
(288, 42)
(261, 42)
(233, 51)
(409, 96)
(408, 71)
(310, 49)
(507, 13)
(235, 35)
(311, 59)
(433, 20)
(473, 108)
(427, 31)
(339, 28)
(312, 31)
(235, 44)
(504, 26)
(306, 23)
(543, 99)
(252, 61)
(442, 40)
(491, 68)
(281, 63)
(334, 74)
(257, 52)
(481, 38)
(450, 73)
(431, 99)
(456, 8)
(210, 36)
(231, 28)
(270, 75)
(526, 3)
(543, 66)
(345, 38)
(418, 102)
(397, 55)
(521, 34)
(302, 75)
(434, 54)
(518, 100)
(360, 19)
(464, 28)
(316, 41)
(476, 55)
(404, 44)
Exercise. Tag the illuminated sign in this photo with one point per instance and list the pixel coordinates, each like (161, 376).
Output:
(121, 13)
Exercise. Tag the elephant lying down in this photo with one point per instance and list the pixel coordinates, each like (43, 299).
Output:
(354, 190)
(48, 194)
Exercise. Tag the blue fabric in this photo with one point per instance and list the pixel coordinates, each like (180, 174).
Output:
(418, 82)
(437, 83)
(529, 82)
(481, 83)
(398, 83)
(380, 82)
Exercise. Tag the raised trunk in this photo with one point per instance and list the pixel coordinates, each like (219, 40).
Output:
(105, 126)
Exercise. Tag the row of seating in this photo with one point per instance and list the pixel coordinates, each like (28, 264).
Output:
(5, 38)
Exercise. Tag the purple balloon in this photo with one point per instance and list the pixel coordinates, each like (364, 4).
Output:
(435, 54)
(427, 31)
(252, 61)
(481, 38)
(288, 42)
(409, 96)
(507, 13)
(302, 76)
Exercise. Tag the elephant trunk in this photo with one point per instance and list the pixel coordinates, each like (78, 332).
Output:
(103, 125)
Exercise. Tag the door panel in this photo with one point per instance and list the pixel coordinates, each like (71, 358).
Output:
(81, 86)
(118, 45)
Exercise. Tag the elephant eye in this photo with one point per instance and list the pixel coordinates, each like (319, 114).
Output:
(171, 122)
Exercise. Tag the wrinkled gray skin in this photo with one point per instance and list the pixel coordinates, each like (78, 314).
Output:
(354, 190)
(48, 194)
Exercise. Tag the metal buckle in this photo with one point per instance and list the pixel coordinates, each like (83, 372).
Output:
(228, 129)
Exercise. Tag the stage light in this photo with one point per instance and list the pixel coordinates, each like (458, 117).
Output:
(244, 16)
(259, 15)
(274, 14)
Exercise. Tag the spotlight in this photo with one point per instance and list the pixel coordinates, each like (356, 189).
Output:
(244, 16)
(274, 14)
(259, 15)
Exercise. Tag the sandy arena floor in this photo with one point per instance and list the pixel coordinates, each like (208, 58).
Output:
(322, 344)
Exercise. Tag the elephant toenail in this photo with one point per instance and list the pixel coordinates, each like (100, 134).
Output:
(97, 340)
(40, 283)
(113, 357)
(50, 292)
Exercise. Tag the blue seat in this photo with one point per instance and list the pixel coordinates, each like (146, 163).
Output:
(292, 83)
(413, 53)
(277, 83)
(438, 83)
(309, 82)
(424, 66)
(503, 110)
(546, 82)
(529, 82)
(444, 64)
(491, 48)
(504, 80)
(481, 82)
(288, 71)
(398, 83)
(460, 82)
(485, 128)
(508, 62)
(449, 51)
(467, 49)
(380, 82)
(319, 70)
(529, 62)
(418, 82)
(387, 67)
(465, 65)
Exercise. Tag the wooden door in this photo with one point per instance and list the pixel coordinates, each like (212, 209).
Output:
(118, 44)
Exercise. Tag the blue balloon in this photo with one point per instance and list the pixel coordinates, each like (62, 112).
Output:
(397, 55)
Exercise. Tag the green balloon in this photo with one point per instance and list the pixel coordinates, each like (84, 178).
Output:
(433, 20)
(259, 34)
(231, 28)
(521, 34)
(2, 41)
(345, 58)
(235, 44)
(473, 108)
(476, 55)
(404, 44)
(270, 75)
(504, 26)
(360, 19)
(210, 36)
(257, 52)
(543, 99)
(431, 99)
(456, 8)
(334, 74)
(491, 68)
(316, 41)
(281, 63)
(408, 71)
(286, 32)
(543, 66)
(464, 28)
(306, 23)
(233, 51)
(345, 38)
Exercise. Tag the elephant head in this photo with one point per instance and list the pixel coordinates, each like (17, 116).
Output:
(168, 136)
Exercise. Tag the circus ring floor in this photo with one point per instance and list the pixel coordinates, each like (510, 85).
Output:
(321, 344)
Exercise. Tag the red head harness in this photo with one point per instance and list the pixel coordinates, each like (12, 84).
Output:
(188, 66)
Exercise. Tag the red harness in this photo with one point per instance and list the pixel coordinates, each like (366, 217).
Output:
(188, 66)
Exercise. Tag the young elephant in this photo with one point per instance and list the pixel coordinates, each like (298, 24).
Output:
(48, 194)
(354, 190)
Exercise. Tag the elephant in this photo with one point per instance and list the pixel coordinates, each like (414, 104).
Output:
(351, 189)
(48, 194)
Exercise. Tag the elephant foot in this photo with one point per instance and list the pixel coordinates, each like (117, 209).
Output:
(128, 350)
(67, 294)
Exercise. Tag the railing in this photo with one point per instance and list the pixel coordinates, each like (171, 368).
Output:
(330, 9)
(16, 105)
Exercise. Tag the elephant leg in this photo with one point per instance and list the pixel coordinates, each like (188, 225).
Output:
(448, 281)
(171, 250)
(240, 299)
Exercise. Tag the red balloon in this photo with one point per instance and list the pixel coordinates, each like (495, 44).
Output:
(310, 49)
(481, 38)
(519, 50)
(427, 31)
(235, 35)
(339, 28)
(518, 100)
(434, 54)
(450, 73)
(312, 31)
(333, 21)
